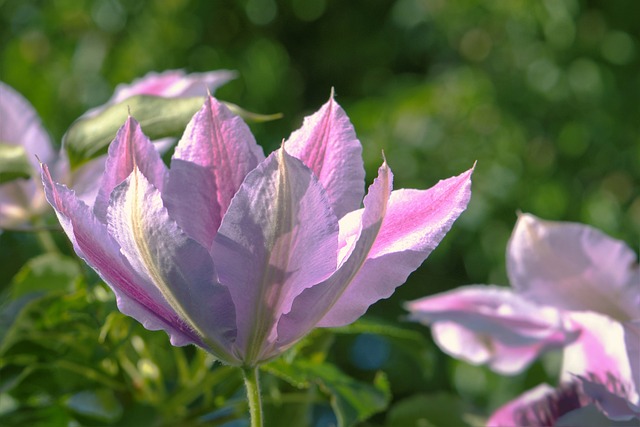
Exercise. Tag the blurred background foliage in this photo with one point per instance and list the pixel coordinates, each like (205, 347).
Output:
(543, 94)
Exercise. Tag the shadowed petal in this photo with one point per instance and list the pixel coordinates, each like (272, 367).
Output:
(574, 267)
(313, 303)
(130, 148)
(21, 125)
(491, 325)
(179, 267)
(216, 153)
(328, 145)
(278, 237)
(136, 297)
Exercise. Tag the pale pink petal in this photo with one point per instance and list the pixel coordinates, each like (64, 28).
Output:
(136, 297)
(328, 145)
(491, 325)
(216, 153)
(178, 266)
(313, 304)
(599, 353)
(130, 148)
(414, 224)
(278, 237)
(173, 84)
(574, 267)
(21, 125)
(511, 414)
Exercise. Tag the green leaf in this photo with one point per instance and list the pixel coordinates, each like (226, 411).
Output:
(96, 404)
(427, 410)
(48, 272)
(14, 163)
(89, 137)
(351, 400)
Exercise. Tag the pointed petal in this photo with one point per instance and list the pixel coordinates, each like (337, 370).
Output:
(415, 222)
(136, 297)
(278, 237)
(491, 325)
(129, 148)
(21, 125)
(211, 160)
(574, 267)
(328, 145)
(179, 267)
(363, 227)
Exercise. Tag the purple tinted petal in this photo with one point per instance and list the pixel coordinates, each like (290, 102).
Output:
(278, 237)
(615, 405)
(129, 148)
(179, 267)
(327, 144)
(21, 125)
(136, 297)
(491, 325)
(574, 267)
(414, 224)
(215, 154)
(314, 303)
(632, 341)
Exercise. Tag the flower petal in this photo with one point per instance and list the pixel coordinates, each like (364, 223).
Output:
(491, 325)
(21, 125)
(136, 297)
(215, 154)
(510, 413)
(278, 237)
(328, 145)
(173, 84)
(130, 148)
(414, 223)
(179, 267)
(313, 304)
(574, 267)
(600, 353)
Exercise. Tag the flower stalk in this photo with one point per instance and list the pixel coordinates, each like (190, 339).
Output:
(252, 384)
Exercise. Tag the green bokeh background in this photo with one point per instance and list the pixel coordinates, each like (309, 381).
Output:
(542, 94)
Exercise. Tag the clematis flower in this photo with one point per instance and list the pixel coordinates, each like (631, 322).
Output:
(573, 288)
(243, 255)
(22, 200)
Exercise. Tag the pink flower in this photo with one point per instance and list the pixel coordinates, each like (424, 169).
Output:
(21, 200)
(573, 287)
(243, 255)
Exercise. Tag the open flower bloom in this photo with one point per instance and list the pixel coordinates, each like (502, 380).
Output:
(23, 199)
(243, 255)
(573, 287)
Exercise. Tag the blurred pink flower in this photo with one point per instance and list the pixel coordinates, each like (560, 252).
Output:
(243, 255)
(21, 200)
(572, 287)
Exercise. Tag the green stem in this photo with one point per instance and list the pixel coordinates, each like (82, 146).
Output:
(252, 383)
(46, 241)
